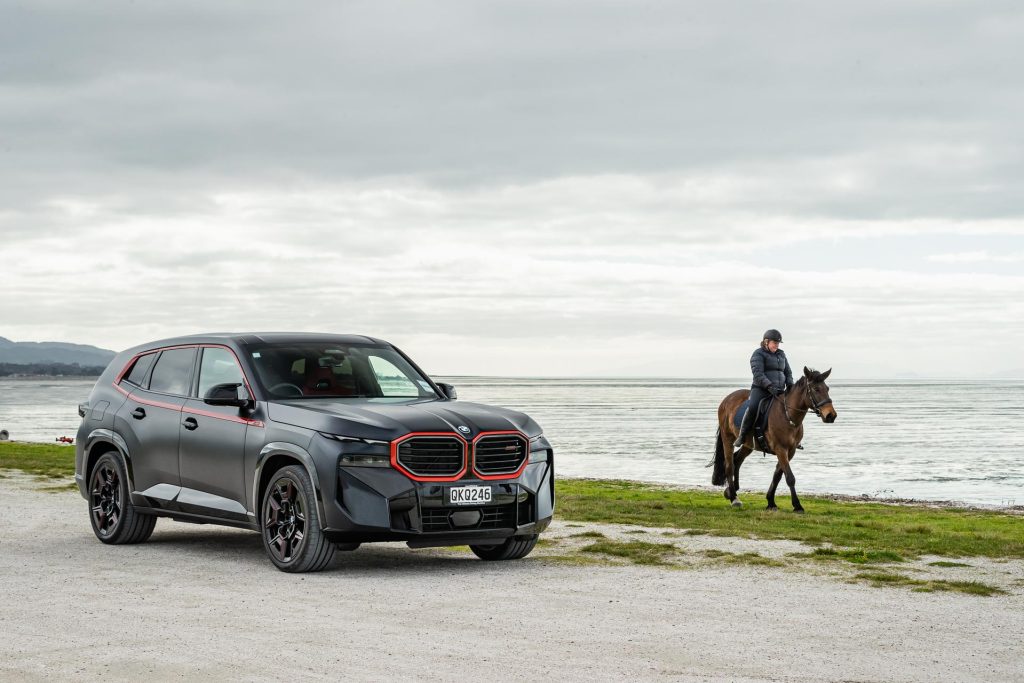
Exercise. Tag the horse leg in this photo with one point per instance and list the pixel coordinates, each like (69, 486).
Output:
(775, 484)
(729, 493)
(738, 458)
(791, 482)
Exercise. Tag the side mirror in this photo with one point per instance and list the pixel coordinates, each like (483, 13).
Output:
(227, 395)
(448, 390)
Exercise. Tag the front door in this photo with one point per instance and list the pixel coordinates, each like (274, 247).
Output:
(212, 445)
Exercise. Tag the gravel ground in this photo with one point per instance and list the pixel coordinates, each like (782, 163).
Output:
(204, 602)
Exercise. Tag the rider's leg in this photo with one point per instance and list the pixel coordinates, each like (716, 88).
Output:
(748, 417)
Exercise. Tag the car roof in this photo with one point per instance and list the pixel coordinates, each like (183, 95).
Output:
(256, 338)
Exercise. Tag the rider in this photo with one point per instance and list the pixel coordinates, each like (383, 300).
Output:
(772, 375)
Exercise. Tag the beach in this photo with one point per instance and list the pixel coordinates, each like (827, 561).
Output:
(203, 602)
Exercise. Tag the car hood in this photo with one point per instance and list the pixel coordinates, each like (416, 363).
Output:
(388, 421)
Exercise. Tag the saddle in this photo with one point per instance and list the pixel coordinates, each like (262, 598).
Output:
(760, 421)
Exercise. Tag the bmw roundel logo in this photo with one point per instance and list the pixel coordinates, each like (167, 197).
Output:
(464, 429)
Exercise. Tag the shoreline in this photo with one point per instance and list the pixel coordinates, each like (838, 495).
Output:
(748, 494)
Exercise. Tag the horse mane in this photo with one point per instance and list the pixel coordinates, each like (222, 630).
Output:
(815, 377)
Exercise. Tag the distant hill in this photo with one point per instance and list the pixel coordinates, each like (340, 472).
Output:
(35, 353)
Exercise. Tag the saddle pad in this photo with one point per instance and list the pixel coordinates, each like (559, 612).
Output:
(760, 421)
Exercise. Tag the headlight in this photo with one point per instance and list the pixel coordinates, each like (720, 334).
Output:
(357, 452)
(353, 460)
(539, 449)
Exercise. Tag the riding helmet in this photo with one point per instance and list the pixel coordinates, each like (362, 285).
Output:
(773, 335)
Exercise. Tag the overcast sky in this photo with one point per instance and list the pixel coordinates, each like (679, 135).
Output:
(526, 188)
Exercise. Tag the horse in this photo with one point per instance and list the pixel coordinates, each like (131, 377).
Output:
(783, 434)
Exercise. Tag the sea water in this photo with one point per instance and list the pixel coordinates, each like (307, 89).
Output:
(960, 441)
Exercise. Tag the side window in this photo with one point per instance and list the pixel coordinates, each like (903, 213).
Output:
(218, 367)
(392, 381)
(137, 374)
(173, 372)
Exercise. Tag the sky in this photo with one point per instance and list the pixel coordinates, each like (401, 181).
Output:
(547, 188)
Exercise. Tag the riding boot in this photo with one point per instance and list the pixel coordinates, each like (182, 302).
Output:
(745, 425)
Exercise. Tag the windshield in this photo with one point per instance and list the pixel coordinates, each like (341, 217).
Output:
(325, 370)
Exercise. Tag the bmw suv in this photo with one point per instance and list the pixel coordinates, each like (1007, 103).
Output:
(317, 442)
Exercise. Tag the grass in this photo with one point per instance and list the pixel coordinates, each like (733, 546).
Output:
(588, 534)
(944, 563)
(638, 552)
(870, 529)
(853, 555)
(754, 559)
(42, 459)
(59, 488)
(884, 579)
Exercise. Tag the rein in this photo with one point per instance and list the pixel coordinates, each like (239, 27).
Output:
(813, 407)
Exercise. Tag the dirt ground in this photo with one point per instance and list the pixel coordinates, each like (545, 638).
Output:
(204, 602)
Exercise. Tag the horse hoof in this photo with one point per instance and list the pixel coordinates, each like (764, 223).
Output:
(772, 508)
(737, 503)
(798, 511)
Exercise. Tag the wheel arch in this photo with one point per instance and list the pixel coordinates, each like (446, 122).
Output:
(99, 443)
(273, 457)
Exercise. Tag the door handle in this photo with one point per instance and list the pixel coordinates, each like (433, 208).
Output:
(139, 413)
(190, 423)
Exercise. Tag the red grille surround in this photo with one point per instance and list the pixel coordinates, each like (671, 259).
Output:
(417, 465)
(500, 455)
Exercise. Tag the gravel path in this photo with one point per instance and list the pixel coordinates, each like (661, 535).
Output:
(204, 602)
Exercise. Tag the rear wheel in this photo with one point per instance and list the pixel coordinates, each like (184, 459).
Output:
(114, 519)
(514, 548)
(290, 523)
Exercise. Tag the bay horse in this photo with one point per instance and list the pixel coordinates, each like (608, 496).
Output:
(783, 434)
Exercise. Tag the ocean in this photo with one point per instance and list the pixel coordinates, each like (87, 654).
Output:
(926, 440)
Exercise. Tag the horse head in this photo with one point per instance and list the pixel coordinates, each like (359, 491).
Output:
(816, 394)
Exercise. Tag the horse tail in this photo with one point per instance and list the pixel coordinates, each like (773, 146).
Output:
(718, 474)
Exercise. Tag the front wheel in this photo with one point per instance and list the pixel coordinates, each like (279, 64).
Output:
(290, 523)
(114, 519)
(514, 548)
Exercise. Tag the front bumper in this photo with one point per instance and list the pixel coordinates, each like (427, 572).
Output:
(382, 504)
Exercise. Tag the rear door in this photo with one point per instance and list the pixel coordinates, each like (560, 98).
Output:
(150, 419)
(212, 444)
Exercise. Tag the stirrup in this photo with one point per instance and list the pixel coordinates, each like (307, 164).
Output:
(799, 446)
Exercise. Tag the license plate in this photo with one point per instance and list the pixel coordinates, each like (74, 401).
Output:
(469, 495)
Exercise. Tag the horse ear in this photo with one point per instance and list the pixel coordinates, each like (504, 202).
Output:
(807, 373)
(824, 375)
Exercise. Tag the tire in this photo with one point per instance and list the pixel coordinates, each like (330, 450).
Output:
(515, 548)
(290, 523)
(113, 517)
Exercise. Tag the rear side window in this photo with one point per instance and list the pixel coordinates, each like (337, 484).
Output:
(218, 367)
(137, 374)
(172, 373)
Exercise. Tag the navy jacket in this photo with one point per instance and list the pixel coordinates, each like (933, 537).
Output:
(770, 369)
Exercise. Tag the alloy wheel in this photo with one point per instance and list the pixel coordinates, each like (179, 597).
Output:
(105, 498)
(285, 520)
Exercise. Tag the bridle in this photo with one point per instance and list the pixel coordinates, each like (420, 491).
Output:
(814, 407)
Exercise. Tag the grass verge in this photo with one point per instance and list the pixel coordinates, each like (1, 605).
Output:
(42, 459)
(863, 533)
(872, 530)
(884, 579)
(637, 552)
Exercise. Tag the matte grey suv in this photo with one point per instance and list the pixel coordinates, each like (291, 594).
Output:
(318, 442)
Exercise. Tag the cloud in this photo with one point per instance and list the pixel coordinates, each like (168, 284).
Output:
(526, 187)
(978, 256)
